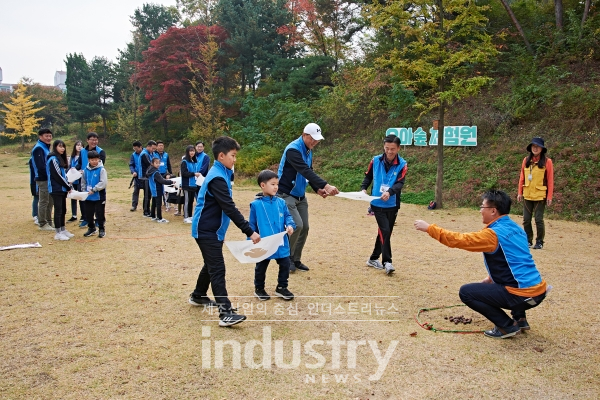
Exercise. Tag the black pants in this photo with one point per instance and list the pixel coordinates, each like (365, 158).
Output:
(156, 211)
(135, 197)
(95, 207)
(147, 195)
(77, 187)
(385, 217)
(212, 273)
(60, 209)
(190, 195)
(261, 271)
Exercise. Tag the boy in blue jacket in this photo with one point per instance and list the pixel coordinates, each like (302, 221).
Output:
(269, 215)
(214, 210)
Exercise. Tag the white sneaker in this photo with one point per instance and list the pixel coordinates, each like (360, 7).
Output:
(375, 264)
(60, 236)
(187, 220)
(35, 221)
(46, 227)
(67, 233)
(162, 221)
(389, 268)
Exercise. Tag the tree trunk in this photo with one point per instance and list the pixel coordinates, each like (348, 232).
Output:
(586, 11)
(165, 125)
(439, 180)
(104, 126)
(22, 143)
(558, 14)
(517, 25)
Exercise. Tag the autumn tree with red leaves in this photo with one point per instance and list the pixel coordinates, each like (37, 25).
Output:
(171, 63)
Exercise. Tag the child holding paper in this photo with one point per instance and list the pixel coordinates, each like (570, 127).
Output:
(269, 215)
(58, 187)
(94, 181)
(214, 211)
(73, 161)
(190, 170)
(156, 182)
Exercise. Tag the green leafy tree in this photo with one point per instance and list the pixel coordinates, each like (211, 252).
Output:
(440, 48)
(103, 79)
(81, 94)
(21, 115)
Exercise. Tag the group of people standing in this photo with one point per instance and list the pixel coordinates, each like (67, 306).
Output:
(48, 166)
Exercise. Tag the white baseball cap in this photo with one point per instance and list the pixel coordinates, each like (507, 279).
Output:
(313, 130)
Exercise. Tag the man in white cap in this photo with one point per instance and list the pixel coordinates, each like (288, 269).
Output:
(295, 171)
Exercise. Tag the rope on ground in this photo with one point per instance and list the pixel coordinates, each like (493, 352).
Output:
(138, 238)
(429, 326)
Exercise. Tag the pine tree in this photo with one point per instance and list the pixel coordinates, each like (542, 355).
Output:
(20, 115)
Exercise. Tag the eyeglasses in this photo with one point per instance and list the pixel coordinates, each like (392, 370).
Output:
(486, 207)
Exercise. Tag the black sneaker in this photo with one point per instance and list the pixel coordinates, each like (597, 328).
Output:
(538, 245)
(230, 318)
(102, 233)
(522, 322)
(530, 244)
(284, 293)
(132, 208)
(90, 232)
(503, 333)
(73, 218)
(201, 301)
(300, 266)
(262, 294)
(292, 266)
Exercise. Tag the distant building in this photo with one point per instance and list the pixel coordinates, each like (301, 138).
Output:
(60, 79)
(6, 87)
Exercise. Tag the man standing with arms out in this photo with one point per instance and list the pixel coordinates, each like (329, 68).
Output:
(38, 160)
(92, 145)
(513, 281)
(387, 171)
(295, 171)
(135, 166)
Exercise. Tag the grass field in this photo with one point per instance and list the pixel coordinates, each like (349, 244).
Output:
(108, 318)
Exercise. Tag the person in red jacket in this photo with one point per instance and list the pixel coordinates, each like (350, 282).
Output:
(536, 186)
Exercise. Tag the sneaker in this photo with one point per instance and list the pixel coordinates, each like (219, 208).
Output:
(389, 268)
(530, 243)
(187, 220)
(375, 264)
(162, 221)
(90, 232)
(292, 266)
(67, 233)
(538, 245)
(262, 295)
(146, 215)
(46, 227)
(503, 333)
(153, 219)
(300, 266)
(522, 322)
(51, 225)
(230, 318)
(201, 301)
(60, 236)
(133, 209)
(284, 293)
(73, 218)
(176, 213)
(83, 224)
(35, 221)
(102, 233)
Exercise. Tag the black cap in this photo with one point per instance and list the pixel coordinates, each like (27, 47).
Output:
(538, 141)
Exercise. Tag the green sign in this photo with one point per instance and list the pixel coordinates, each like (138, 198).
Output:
(453, 136)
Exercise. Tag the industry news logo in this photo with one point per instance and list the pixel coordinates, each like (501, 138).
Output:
(317, 355)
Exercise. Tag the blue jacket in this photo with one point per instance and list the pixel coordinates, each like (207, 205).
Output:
(188, 170)
(57, 182)
(203, 163)
(511, 263)
(165, 164)
(39, 155)
(269, 216)
(156, 182)
(135, 164)
(215, 207)
(95, 179)
(382, 180)
(298, 182)
(83, 157)
(73, 164)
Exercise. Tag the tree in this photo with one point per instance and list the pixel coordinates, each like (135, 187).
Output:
(53, 101)
(103, 79)
(81, 94)
(197, 12)
(439, 54)
(153, 20)
(170, 65)
(517, 25)
(20, 115)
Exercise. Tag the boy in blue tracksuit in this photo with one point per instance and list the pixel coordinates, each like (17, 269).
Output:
(94, 181)
(269, 215)
(214, 211)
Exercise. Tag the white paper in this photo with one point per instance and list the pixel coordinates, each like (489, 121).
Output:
(73, 175)
(75, 195)
(199, 180)
(176, 181)
(21, 246)
(356, 196)
(247, 252)
(170, 189)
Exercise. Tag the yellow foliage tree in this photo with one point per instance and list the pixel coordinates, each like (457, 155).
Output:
(20, 115)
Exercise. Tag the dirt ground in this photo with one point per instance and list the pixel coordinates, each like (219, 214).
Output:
(108, 318)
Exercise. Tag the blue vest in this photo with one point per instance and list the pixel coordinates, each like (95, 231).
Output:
(191, 167)
(137, 160)
(46, 149)
(200, 160)
(218, 170)
(163, 162)
(511, 263)
(156, 189)
(380, 177)
(73, 164)
(92, 178)
(269, 216)
(55, 187)
(84, 156)
(299, 189)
